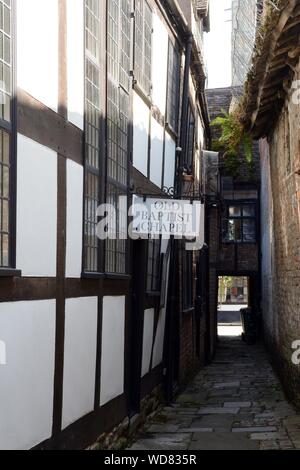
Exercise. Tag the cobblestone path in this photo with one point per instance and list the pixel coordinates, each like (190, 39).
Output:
(235, 403)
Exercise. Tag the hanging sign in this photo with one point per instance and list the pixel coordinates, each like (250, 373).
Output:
(166, 217)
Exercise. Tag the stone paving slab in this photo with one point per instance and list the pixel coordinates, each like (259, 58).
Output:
(234, 403)
(222, 441)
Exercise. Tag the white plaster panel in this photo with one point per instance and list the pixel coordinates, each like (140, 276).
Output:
(74, 219)
(156, 154)
(75, 61)
(112, 358)
(36, 209)
(141, 117)
(159, 64)
(147, 340)
(79, 358)
(170, 157)
(37, 49)
(26, 391)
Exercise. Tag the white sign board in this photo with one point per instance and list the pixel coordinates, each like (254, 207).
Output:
(166, 217)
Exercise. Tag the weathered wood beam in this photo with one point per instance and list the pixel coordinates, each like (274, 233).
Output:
(272, 45)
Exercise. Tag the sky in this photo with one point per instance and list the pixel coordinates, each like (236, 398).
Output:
(217, 44)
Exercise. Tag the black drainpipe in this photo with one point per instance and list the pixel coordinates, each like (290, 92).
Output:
(173, 333)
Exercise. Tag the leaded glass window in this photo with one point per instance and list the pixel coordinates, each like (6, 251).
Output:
(173, 86)
(143, 45)
(6, 129)
(118, 107)
(92, 135)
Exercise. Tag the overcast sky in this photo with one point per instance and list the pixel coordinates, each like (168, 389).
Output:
(217, 44)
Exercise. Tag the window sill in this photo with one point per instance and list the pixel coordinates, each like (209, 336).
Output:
(92, 275)
(240, 243)
(153, 294)
(147, 99)
(187, 311)
(117, 277)
(10, 272)
(171, 131)
(111, 276)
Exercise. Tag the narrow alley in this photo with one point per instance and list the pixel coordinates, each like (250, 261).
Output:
(235, 403)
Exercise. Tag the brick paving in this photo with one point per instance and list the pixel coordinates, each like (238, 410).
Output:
(235, 403)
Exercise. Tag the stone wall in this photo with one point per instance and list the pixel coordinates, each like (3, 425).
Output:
(123, 434)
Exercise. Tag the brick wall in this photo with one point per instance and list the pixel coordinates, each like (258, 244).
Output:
(281, 227)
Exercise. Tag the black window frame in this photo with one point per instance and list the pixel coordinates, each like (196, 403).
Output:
(8, 127)
(227, 217)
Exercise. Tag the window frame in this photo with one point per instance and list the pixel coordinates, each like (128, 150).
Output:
(227, 217)
(189, 154)
(139, 77)
(9, 127)
(106, 181)
(173, 86)
(155, 273)
(88, 169)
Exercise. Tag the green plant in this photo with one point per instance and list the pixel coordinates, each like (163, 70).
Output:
(234, 138)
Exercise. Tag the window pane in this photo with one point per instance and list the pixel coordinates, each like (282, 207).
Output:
(5, 60)
(235, 211)
(143, 45)
(4, 199)
(173, 86)
(153, 267)
(249, 231)
(249, 211)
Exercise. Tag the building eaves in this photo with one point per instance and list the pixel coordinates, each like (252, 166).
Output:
(277, 52)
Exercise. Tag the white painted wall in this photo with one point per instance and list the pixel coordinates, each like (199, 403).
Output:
(36, 209)
(112, 358)
(170, 157)
(147, 340)
(74, 219)
(156, 153)
(159, 64)
(37, 49)
(79, 358)
(141, 116)
(75, 61)
(26, 391)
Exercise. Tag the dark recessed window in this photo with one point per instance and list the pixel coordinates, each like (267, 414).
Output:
(239, 224)
(154, 265)
(190, 145)
(188, 280)
(143, 45)
(6, 132)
